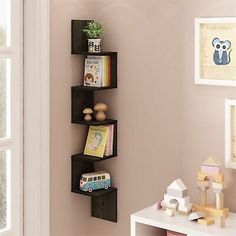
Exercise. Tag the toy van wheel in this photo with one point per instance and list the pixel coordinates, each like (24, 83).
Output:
(106, 187)
(90, 190)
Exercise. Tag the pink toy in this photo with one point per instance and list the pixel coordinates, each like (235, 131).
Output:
(158, 205)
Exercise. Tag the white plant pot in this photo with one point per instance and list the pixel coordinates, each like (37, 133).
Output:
(94, 45)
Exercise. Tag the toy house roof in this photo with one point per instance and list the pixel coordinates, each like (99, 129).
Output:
(177, 185)
(211, 161)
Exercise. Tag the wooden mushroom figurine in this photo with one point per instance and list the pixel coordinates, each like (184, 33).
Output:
(88, 112)
(100, 108)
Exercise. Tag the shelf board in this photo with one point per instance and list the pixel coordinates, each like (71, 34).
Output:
(180, 223)
(94, 193)
(95, 53)
(91, 88)
(94, 122)
(92, 158)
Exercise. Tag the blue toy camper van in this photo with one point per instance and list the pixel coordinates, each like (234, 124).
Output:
(95, 180)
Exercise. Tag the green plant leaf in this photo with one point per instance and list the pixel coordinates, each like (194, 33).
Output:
(93, 30)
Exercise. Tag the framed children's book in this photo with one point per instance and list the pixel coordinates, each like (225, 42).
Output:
(215, 51)
(230, 133)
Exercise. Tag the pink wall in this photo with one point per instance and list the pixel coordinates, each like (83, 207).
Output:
(167, 125)
(202, 107)
(69, 214)
(146, 104)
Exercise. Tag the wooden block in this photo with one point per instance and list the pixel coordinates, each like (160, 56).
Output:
(206, 221)
(177, 193)
(219, 200)
(211, 161)
(214, 170)
(218, 185)
(219, 178)
(215, 190)
(212, 211)
(203, 198)
(177, 185)
(202, 176)
(186, 209)
(222, 221)
(170, 212)
(181, 201)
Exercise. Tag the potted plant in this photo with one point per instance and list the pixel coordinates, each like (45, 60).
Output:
(94, 31)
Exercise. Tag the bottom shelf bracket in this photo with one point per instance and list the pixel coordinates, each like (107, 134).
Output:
(105, 206)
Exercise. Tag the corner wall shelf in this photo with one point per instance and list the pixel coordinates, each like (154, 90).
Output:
(94, 193)
(95, 53)
(87, 88)
(103, 202)
(94, 122)
(92, 158)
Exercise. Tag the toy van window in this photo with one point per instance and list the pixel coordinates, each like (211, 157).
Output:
(103, 177)
(95, 178)
(90, 179)
(99, 177)
(84, 179)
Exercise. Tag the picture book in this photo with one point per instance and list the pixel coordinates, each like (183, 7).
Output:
(93, 72)
(109, 71)
(109, 145)
(96, 141)
(106, 70)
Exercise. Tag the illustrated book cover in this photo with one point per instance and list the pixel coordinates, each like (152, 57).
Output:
(96, 141)
(105, 64)
(93, 72)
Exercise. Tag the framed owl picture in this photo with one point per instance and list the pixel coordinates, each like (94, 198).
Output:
(230, 133)
(215, 51)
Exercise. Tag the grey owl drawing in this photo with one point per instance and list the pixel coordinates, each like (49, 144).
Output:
(221, 54)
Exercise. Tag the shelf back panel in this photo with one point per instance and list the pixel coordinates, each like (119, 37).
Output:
(79, 42)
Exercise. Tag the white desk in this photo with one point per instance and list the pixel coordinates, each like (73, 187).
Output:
(157, 218)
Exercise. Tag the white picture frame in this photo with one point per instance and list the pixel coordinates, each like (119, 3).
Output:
(230, 133)
(206, 72)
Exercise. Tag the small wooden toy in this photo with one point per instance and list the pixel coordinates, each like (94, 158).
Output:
(222, 221)
(88, 112)
(196, 215)
(177, 197)
(211, 168)
(206, 221)
(100, 108)
(212, 211)
(170, 212)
